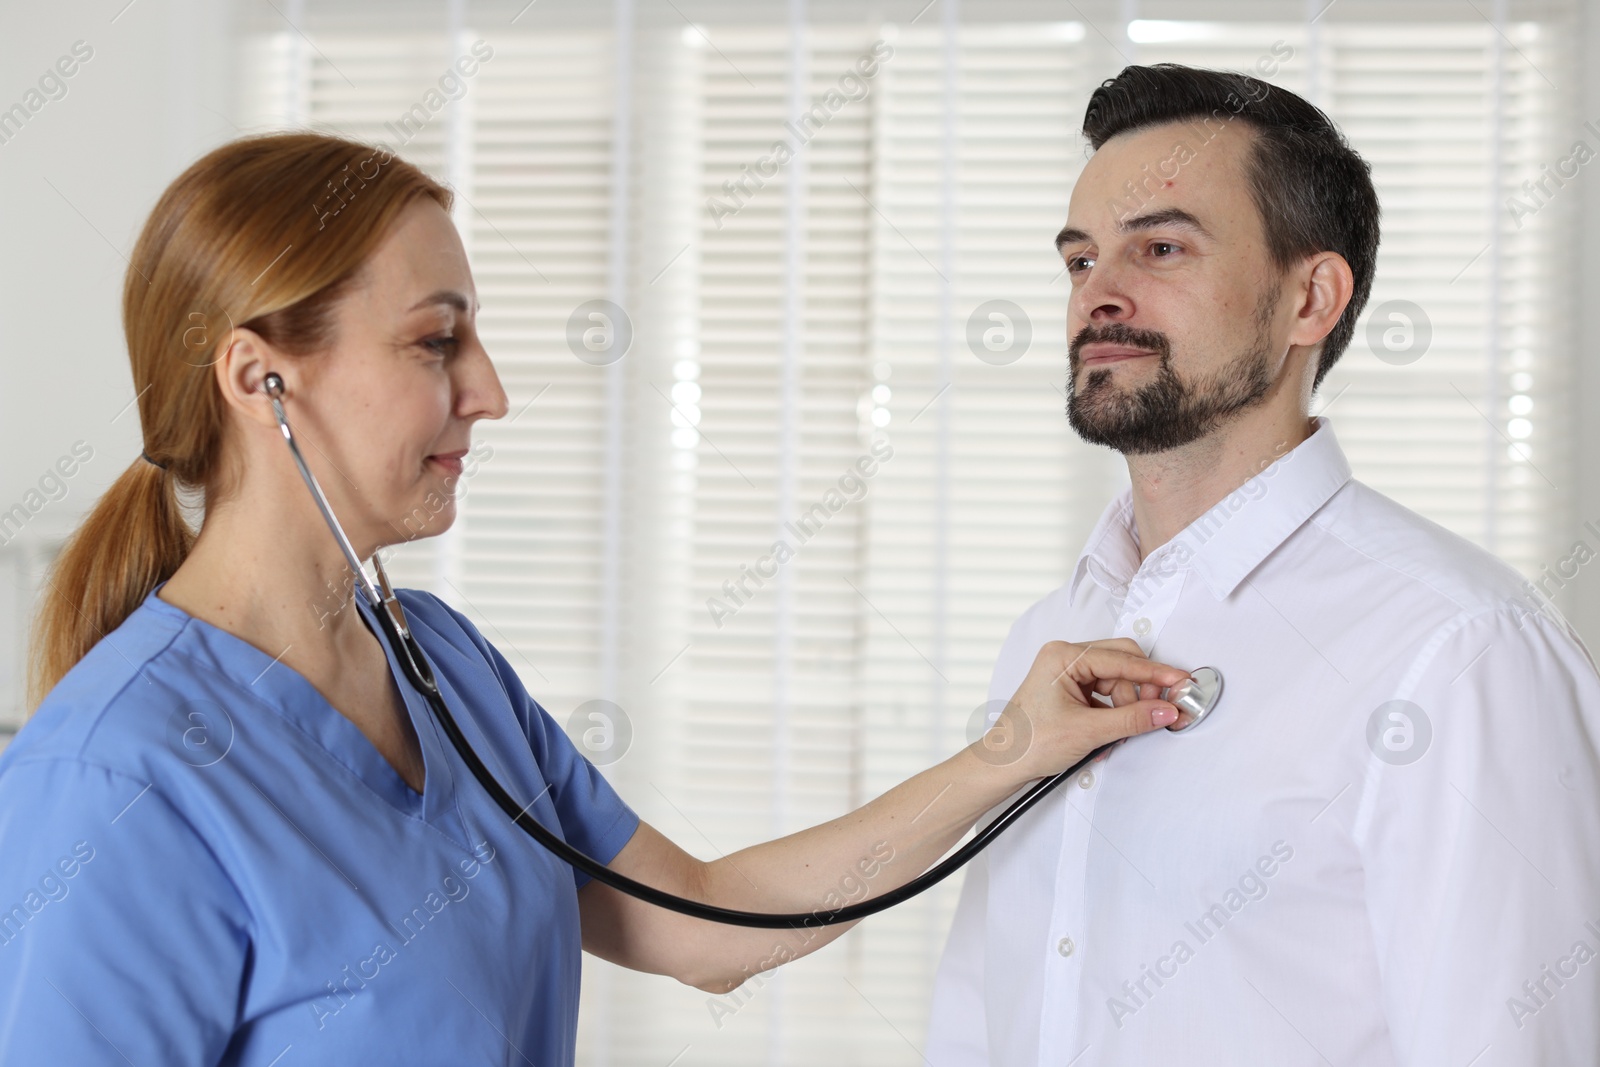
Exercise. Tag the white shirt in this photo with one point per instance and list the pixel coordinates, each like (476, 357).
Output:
(1313, 875)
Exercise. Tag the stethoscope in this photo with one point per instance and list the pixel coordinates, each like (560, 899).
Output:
(1197, 696)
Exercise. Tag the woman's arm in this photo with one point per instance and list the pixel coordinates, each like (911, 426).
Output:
(1050, 724)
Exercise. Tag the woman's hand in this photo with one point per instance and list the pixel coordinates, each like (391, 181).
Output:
(1052, 721)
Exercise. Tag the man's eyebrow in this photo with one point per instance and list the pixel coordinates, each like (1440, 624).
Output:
(443, 296)
(1150, 220)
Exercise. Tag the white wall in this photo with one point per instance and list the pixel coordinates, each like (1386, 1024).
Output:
(76, 182)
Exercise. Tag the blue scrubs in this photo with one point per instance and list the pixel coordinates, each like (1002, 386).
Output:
(203, 862)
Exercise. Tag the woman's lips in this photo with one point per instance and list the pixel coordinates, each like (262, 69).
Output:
(450, 461)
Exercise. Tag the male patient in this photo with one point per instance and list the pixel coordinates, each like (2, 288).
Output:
(1383, 847)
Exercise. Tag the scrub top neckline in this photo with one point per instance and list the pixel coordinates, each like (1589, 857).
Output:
(293, 698)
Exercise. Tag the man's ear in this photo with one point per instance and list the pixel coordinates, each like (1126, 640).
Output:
(241, 366)
(1326, 285)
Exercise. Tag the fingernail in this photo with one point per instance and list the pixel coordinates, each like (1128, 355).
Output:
(1164, 715)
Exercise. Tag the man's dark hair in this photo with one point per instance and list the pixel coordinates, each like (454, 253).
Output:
(1312, 190)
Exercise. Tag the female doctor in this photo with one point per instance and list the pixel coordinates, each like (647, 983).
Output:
(228, 835)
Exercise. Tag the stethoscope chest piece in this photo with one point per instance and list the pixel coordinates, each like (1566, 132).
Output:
(1197, 695)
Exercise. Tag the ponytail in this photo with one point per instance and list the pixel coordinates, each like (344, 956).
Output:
(133, 540)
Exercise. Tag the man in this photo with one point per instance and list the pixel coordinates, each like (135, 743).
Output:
(1383, 847)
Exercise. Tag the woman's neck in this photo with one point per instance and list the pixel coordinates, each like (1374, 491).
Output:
(280, 586)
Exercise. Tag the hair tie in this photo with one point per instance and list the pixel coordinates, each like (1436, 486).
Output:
(150, 461)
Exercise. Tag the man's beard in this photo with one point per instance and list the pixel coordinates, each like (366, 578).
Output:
(1165, 413)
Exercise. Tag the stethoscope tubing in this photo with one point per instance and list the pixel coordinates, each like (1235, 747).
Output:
(419, 675)
(519, 814)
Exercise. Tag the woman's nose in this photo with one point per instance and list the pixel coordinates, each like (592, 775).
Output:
(481, 394)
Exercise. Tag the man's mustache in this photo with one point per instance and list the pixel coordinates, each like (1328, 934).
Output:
(1118, 333)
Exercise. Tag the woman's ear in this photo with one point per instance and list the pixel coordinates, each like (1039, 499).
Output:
(242, 364)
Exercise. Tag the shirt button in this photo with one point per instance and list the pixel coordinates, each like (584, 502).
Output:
(1086, 780)
(1141, 626)
(1064, 946)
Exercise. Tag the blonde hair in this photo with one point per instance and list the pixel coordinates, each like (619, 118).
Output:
(265, 232)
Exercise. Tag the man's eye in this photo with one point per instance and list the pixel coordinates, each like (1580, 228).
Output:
(1075, 264)
(445, 346)
(1163, 244)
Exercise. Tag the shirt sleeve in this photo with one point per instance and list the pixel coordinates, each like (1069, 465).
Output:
(1479, 828)
(122, 940)
(594, 818)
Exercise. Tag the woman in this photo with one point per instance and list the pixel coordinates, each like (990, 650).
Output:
(230, 831)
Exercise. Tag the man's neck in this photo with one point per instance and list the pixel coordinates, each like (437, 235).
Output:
(1171, 489)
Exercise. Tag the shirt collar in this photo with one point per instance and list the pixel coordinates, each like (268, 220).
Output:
(1237, 533)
